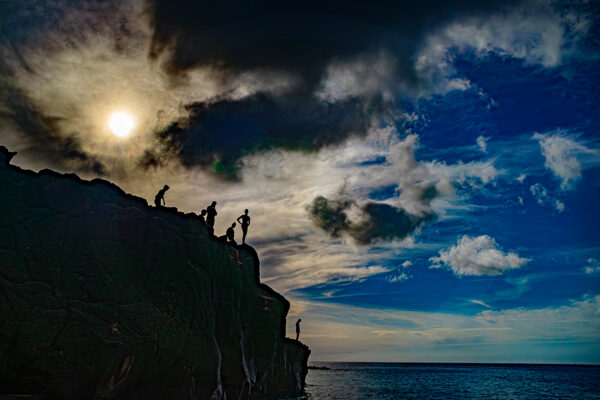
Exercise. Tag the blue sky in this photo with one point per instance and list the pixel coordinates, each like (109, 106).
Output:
(423, 181)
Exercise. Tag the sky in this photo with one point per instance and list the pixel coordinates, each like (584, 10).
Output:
(423, 179)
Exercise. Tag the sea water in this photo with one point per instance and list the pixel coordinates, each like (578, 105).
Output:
(350, 381)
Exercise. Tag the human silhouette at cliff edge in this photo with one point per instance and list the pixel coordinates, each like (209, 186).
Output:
(245, 222)
(203, 216)
(298, 329)
(159, 199)
(211, 213)
(230, 233)
(230, 237)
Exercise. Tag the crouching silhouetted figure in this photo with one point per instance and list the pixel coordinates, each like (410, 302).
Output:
(245, 222)
(230, 237)
(159, 199)
(230, 233)
(203, 215)
(298, 329)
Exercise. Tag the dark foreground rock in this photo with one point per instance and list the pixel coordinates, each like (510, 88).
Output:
(103, 297)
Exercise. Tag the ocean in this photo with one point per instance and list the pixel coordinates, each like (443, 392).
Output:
(379, 381)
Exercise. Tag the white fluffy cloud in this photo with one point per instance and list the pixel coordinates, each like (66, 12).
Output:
(478, 256)
(562, 154)
(559, 205)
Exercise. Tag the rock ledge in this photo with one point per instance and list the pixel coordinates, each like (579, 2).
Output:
(104, 297)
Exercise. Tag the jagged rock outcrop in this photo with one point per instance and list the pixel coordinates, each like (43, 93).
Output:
(103, 297)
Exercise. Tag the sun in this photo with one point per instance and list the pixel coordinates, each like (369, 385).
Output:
(121, 124)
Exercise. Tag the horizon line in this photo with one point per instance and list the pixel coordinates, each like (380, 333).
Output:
(459, 362)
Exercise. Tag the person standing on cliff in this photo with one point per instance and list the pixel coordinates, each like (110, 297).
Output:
(211, 213)
(245, 222)
(298, 329)
(159, 199)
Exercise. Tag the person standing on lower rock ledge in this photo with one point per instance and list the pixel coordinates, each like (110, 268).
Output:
(245, 222)
(159, 199)
(298, 329)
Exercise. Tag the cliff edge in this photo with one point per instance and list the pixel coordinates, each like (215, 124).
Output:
(104, 297)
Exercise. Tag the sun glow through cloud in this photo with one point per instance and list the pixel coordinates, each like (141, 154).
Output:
(121, 124)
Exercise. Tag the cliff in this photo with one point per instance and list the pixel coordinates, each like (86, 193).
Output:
(103, 297)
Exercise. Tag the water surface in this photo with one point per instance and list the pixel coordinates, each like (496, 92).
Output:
(353, 381)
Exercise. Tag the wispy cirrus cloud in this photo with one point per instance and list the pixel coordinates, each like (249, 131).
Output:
(541, 196)
(510, 335)
(564, 155)
(480, 302)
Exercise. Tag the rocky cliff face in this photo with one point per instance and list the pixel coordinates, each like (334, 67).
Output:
(103, 297)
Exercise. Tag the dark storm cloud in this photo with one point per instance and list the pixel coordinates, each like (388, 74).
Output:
(296, 36)
(429, 193)
(21, 20)
(330, 215)
(221, 132)
(378, 222)
(386, 222)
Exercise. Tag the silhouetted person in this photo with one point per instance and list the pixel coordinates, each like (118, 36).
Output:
(203, 215)
(159, 199)
(230, 233)
(298, 329)
(230, 237)
(245, 222)
(211, 213)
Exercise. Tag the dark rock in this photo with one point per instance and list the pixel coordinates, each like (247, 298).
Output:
(103, 297)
